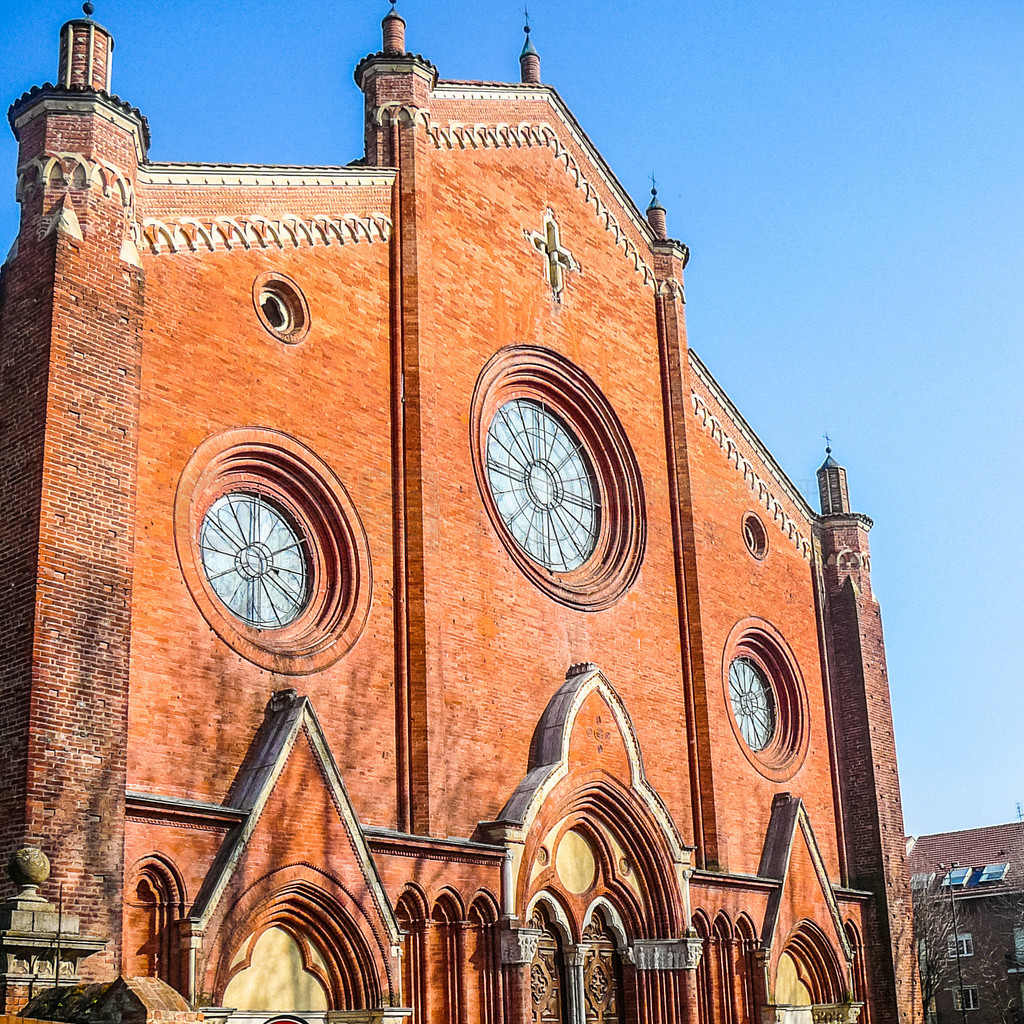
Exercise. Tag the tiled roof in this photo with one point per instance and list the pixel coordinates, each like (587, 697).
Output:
(972, 848)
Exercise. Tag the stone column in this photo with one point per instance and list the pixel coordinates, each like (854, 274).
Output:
(518, 947)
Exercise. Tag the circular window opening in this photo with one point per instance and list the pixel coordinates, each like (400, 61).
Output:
(543, 485)
(281, 307)
(254, 557)
(752, 703)
(766, 698)
(272, 550)
(755, 536)
(557, 477)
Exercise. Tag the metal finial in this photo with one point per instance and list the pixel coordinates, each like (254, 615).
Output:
(828, 444)
(654, 187)
(526, 16)
(87, 9)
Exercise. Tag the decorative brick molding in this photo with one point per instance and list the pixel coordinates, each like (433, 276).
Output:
(75, 171)
(189, 234)
(509, 136)
(759, 488)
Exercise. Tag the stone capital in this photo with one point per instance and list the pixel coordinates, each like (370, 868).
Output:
(667, 954)
(519, 945)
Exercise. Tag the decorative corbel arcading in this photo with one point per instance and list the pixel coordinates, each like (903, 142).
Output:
(189, 234)
(758, 487)
(518, 136)
(395, 111)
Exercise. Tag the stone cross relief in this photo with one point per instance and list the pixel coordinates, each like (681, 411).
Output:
(559, 259)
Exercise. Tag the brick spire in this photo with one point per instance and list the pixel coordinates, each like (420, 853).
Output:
(832, 489)
(85, 52)
(529, 59)
(393, 27)
(656, 213)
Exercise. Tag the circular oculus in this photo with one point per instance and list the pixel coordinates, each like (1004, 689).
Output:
(752, 703)
(255, 560)
(542, 484)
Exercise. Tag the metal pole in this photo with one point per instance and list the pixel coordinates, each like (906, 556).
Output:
(956, 944)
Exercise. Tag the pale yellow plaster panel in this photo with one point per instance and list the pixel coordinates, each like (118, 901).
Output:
(274, 979)
(789, 989)
(575, 863)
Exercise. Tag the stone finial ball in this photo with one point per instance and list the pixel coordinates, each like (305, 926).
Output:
(29, 866)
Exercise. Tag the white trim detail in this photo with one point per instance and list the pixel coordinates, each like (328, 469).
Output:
(485, 91)
(761, 491)
(559, 918)
(263, 176)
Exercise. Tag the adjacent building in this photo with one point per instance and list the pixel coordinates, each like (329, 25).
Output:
(968, 890)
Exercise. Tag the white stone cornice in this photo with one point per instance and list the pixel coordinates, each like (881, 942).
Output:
(519, 945)
(667, 954)
(263, 176)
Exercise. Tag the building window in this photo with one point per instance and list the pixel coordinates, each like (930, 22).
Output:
(558, 477)
(766, 699)
(1018, 946)
(961, 944)
(994, 873)
(543, 485)
(755, 536)
(281, 307)
(752, 703)
(957, 878)
(272, 550)
(254, 558)
(969, 1000)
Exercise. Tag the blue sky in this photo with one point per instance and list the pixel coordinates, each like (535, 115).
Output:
(849, 178)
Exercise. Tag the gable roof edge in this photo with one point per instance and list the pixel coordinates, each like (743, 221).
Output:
(251, 791)
(499, 91)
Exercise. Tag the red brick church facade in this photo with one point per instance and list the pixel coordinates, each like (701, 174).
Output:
(398, 617)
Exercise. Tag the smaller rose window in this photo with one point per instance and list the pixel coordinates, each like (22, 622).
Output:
(254, 558)
(752, 703)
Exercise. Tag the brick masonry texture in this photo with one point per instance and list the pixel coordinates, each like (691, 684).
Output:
(139, 744)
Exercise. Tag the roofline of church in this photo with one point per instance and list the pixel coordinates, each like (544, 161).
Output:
(263, 174)
(454, 89)
(781, 478)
